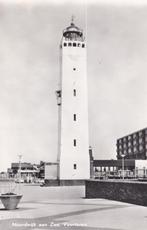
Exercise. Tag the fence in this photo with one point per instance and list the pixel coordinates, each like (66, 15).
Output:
(136, 173)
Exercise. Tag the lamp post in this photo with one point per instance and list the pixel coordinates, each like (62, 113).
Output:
(20, 156)
(123, 164)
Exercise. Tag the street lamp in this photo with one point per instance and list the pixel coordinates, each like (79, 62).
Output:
(123, 164)
(20, 156)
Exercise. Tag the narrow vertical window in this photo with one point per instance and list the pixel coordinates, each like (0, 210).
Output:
(75, 142)
(74, 92)
(75, 166)
(74, 117)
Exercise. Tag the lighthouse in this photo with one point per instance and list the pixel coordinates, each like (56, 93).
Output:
(72, 100)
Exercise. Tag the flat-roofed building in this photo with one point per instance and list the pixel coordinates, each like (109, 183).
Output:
(27, 170)
(133, 146)
(132, 168)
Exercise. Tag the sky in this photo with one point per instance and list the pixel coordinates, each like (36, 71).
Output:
(30, 34)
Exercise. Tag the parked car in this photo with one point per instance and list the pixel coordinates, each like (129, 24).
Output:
(19, 180)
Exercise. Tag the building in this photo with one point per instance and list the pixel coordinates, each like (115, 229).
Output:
(132, 150)
(28, 171)
(73, 145)
(133, 146)
(113, 168)
(3, 175)
(50, 170)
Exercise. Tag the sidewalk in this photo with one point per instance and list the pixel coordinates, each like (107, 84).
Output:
(65, 208)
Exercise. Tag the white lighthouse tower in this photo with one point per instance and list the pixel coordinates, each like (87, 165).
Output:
(73, 144)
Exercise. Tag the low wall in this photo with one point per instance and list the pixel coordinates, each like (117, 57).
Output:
(134, 192)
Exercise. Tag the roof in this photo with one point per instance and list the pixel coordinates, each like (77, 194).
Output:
(51, 163)
(131, 134)
(23, 165)
(113, 163)
(74, 29)
(29, 170)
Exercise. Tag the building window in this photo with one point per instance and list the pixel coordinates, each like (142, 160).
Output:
(120, 151)
(74, 92)
(65, 44)
(74, 142)
(140, 140)
(124, 139)
(69, 44)
(125, 152)
(74, 69)
(79, 44)
(134, 149)
(134, 135)
(129, 137)
(140, 133)
(134, 142)
(74, 117)
(120, 141)
(75, 166)
(124, 145)
(83, 45)
(129, 150)
(74, 44)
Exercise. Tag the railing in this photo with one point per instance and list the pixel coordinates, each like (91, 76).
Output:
(128, 174)
(81, 39)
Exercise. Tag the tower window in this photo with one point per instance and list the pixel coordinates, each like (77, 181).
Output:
(69, 44)
(75, 166)
(65, 44)
(74, 92)
(83, 45)
(74, 69)
(75, 117)
(74, 44)
(74, 142)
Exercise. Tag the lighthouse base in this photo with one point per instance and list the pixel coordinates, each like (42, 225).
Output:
(71, 182)
(63, 182)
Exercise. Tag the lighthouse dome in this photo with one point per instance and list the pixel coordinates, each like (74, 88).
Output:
(73, 32)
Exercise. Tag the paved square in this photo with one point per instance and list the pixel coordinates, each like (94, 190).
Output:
(66, 208)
